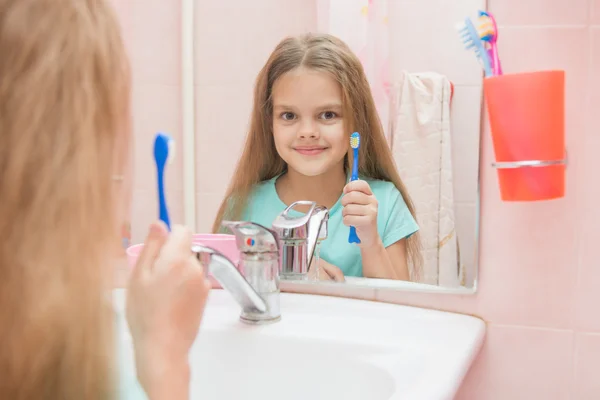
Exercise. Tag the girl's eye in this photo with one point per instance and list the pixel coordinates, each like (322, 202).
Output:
(328, 115)
(287, 116)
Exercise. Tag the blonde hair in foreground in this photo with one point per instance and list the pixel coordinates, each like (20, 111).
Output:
(260, 161)
(64, 88)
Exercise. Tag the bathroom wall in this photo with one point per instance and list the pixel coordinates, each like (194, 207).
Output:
(539, 277)
(414, 49)
(151, 31)
(233, 41)
(226, 62)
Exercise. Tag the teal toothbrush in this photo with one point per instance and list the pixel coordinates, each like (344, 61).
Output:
(163, 149)
(355, 144)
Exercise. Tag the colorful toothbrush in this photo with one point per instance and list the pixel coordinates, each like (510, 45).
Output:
(163, 152)
(355, 145)
(470, 38)
(488, 32)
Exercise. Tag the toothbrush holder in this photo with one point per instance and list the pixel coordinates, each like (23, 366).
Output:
(527, 121)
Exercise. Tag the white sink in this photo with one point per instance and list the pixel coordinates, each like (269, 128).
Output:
(328, 348)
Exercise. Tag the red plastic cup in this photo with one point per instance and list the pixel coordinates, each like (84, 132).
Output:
(527, 121)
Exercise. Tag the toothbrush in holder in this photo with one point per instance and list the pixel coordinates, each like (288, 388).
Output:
(470, 38)
(163, 153)
(488, 32)
(355, 145)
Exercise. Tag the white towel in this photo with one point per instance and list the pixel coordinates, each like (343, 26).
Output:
(420, 141)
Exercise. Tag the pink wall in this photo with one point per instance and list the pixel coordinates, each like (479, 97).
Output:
(233, 41)
(539, 277)
(414, 49)
(151, 30)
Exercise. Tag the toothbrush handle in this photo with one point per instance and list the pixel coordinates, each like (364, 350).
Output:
(496, 59)
(490, 52)
(353, 237)
(355, 166)
(162, 201)
(487, 65)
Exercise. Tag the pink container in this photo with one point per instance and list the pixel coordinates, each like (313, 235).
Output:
(221, 242)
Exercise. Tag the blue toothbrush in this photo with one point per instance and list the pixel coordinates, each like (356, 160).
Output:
(470, 38)
(355, 144)
(162, 147)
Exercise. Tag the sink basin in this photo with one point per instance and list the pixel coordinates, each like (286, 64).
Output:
(326, 348)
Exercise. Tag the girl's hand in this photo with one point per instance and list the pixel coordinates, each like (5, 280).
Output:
(360, 211)
(165, 301)
(325, 272)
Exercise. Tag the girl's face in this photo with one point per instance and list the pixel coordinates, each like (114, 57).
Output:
(308, 125)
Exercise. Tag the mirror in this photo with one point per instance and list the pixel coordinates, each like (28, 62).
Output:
(426, 90)
(407, 68)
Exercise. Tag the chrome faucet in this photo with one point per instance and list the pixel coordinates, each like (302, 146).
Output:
(298, 238)
(254, 284)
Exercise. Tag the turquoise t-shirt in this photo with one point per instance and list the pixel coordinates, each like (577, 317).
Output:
(394, 221)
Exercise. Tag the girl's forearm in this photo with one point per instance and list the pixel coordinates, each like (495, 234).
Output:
(174, 385)
(378, 264)
(164, 378)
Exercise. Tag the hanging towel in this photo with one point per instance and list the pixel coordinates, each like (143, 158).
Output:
(419, 137)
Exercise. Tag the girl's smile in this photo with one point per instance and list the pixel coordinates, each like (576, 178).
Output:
(310, 150)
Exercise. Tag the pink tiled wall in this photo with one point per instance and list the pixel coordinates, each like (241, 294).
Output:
(151, 30)
(539, 275)
(414, 49)
(233, 41)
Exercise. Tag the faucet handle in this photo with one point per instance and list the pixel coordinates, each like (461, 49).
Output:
(289, 227)
(252, 237)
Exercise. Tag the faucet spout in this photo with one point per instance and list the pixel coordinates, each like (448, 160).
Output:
(298, 236)
(317, 230)
(225, 272)
(254, 283)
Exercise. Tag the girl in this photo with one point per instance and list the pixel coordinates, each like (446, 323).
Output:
(311, 94)
(64, 148)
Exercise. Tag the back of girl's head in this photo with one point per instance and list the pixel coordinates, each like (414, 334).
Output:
(64, 88)
(260, 161)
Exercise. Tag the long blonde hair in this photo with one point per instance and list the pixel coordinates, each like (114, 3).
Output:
(260, 160)
(64, 94)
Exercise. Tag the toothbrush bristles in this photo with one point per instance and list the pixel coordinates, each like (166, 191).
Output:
(464, 36)
(355, 140)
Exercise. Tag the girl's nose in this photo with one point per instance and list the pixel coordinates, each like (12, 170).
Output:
(308, 130)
